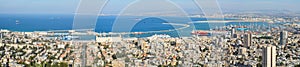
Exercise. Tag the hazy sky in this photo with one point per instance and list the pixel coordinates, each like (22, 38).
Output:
(115, 6)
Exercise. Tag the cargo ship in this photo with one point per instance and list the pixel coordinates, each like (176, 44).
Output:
(137, 33)
(200, 33)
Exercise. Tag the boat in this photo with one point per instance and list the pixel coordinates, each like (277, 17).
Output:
(137, 19)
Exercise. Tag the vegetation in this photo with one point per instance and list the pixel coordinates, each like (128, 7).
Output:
(46, 64)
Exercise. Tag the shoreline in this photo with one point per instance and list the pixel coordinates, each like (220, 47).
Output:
(183, 26)
(226, 21)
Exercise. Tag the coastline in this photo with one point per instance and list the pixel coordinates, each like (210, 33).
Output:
(226, 21)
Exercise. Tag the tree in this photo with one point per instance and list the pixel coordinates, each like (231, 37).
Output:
(55, 65)
(31, 57)
(258, 65)
(63, 64)
(260, 58)
(47, 64)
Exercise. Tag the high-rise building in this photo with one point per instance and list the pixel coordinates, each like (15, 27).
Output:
(283, 37)
(269, 56)
(248, 40)
(232, 32)
(1, 35)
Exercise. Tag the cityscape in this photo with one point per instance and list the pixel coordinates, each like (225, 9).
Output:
(258, 38)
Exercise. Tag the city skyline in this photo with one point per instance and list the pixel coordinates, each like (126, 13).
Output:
(149, 33)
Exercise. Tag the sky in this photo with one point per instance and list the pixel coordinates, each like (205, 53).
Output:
(116, 6)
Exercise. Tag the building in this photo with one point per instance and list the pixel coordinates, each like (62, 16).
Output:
(108, 39)
(269, 56)
(211, 64)
(242, 51)
(235, 36)
(232, 32)
(118, 63)
(3, 32)
(283, 37)
(1, 35)
(248, 40)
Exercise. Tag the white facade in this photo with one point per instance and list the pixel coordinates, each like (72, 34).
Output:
(269, 56)
(108, 39)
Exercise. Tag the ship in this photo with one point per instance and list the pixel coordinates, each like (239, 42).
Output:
(137, 33)
(137, 19)
(17, 22)
(200, 33)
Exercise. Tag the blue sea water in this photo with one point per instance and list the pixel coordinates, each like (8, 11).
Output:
(64, 22)
(104, 24)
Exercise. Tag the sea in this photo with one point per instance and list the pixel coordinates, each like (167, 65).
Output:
(43, 22)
